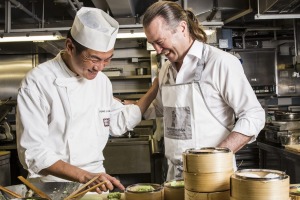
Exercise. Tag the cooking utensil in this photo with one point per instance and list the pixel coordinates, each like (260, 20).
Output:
(55, 190)
(139, 191)
(257, 184)
(10, 192)
(174, 189)
(87, 190)
(34, 188)
(141, 71)
(286, 116)
(82, 187)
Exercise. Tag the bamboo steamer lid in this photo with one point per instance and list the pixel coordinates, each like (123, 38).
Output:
(259, 184)
(207, 182)
(207, 160)
(173, 192)
(295, 191)
(190, 195)
(156, 194)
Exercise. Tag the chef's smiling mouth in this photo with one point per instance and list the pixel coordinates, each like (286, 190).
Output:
(92, 71)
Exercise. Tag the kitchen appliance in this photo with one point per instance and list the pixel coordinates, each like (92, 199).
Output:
(260, 68)
(5, 127)
(283, 132)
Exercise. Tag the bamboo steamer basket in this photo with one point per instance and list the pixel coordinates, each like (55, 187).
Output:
(207, 182)
(259, 184)
(295, 191)
(207, 160)
(190, 195)
(173, 192)
(207, 169)
(157, 194)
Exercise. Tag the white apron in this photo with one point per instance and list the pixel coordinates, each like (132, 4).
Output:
(188, 122)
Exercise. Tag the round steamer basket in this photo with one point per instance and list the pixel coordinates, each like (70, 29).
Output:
(207, 182)
(157, 194)
(259, 184)
(173, 192)
(295, 191)
(207, 160)
(224, 195)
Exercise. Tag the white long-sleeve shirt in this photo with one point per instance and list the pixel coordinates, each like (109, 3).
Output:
(61, 116)
(225, 87)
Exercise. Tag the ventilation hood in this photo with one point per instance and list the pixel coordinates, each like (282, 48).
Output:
(128, 8)
(278, 9)
(279, 6)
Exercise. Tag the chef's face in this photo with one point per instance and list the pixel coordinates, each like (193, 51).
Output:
(89, 62)
(166, 40)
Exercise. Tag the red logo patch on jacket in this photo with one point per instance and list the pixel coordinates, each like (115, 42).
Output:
(106, 122)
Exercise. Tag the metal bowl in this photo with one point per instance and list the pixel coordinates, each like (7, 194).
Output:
(55, 190)
(286, 116)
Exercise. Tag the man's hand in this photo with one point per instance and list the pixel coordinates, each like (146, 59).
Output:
(109, 185)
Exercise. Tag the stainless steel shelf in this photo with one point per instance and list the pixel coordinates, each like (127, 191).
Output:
(130, 77)
(130, 91)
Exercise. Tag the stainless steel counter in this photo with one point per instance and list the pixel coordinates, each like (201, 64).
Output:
(278, 158)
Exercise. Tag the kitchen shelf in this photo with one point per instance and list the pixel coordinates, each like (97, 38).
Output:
(130, 91)
(129, 96)
(130, 77)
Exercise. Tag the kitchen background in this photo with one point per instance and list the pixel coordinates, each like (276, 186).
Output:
(264, 34)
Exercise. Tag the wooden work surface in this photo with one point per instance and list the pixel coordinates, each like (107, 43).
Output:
(295, 148)
(95, 196)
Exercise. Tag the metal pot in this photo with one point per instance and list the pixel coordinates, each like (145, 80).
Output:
(141, 71)
(286, 116)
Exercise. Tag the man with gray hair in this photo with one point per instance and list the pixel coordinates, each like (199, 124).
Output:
(66, 108)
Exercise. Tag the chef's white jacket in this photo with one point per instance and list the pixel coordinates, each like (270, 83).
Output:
(226, 90)
(61, 116)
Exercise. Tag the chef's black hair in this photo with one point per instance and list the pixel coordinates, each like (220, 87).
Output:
(79, 48)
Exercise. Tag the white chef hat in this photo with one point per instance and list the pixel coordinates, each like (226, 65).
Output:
(95, 29)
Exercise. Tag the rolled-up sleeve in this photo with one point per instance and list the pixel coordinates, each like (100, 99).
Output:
(32, 147)
(124, 118)
(239, 95)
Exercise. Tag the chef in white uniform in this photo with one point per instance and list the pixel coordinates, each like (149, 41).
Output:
(202, 90)
(66, 108)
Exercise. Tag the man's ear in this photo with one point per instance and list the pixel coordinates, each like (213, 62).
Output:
(183, 26)
(69, 45)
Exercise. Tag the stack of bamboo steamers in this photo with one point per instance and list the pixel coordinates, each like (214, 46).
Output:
(207, 173)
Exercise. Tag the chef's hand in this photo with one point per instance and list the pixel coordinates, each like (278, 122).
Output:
(109, 185)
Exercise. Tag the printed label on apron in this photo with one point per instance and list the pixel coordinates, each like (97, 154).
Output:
(178, 123)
